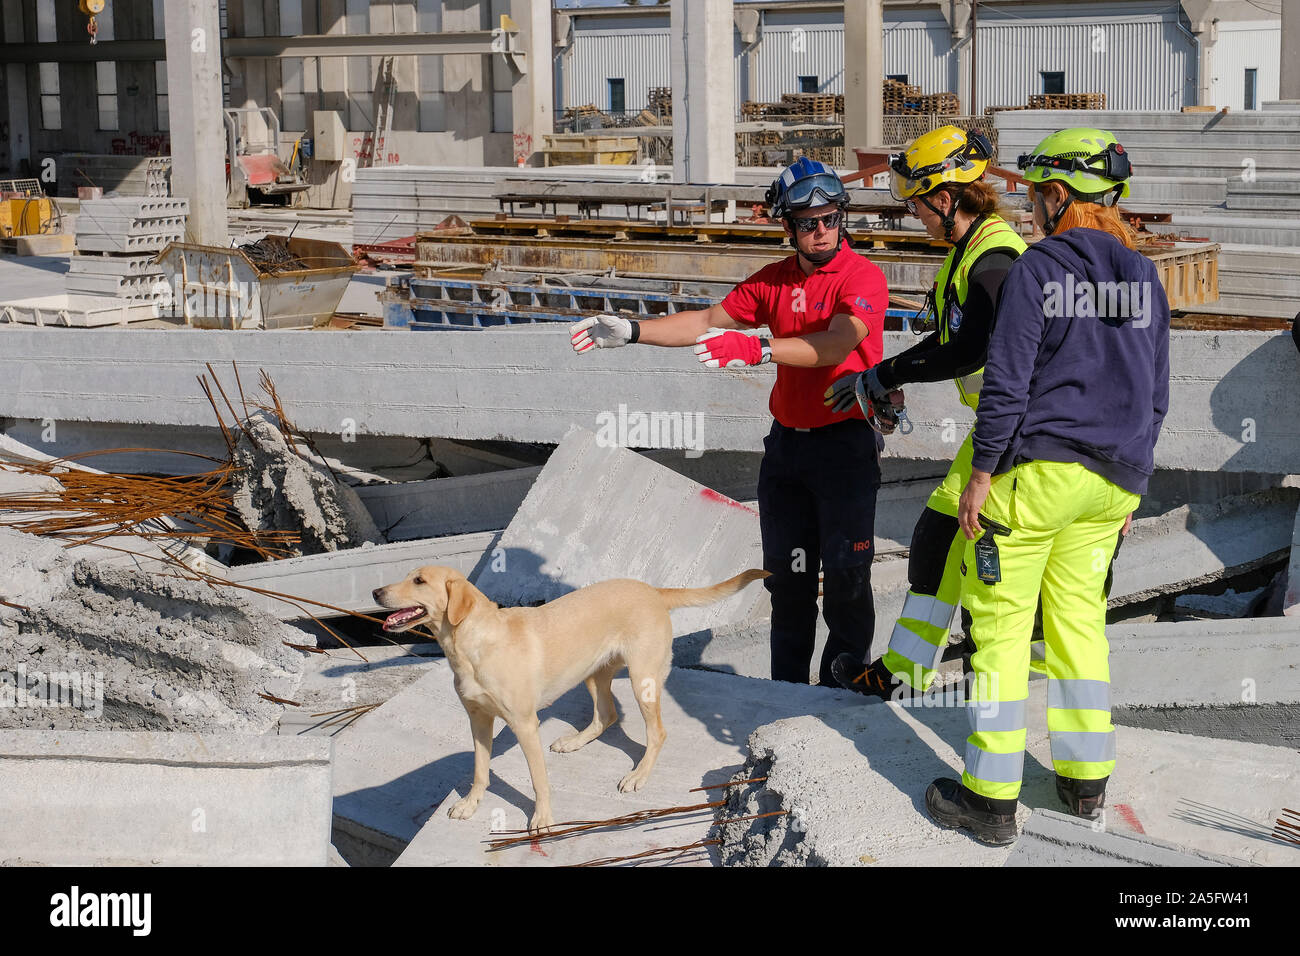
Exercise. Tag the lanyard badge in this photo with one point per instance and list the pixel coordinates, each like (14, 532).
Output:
(988, 564)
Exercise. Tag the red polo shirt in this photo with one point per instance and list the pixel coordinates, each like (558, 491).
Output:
(790, 303)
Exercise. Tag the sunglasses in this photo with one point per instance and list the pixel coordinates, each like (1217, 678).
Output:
(809, 223)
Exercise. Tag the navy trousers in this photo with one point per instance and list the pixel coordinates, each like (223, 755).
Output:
(817, 511)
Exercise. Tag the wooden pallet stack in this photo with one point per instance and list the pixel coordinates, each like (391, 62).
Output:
(818, 106)
(660, 101)
(944, 104)
(1067, 101)
(901, 97)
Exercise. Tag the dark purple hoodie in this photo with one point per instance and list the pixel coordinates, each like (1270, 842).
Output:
(1078, 364)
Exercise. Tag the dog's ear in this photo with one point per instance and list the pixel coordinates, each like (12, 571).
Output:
(460, 600)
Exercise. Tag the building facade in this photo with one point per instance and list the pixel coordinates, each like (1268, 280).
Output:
(1143, 54)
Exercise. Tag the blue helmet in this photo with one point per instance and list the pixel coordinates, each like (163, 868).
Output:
(804, 184)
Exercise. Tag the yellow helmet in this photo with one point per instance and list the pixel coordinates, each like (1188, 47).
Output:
(944, 155)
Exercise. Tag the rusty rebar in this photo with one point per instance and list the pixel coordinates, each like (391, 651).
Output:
(581, 826)
(733, 783)
(610, 860)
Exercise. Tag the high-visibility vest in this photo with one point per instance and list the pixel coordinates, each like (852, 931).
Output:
(993, 233)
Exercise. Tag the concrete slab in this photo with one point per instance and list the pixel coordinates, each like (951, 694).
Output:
(1058, 839)
(1230, 679)
(139, 799)
(346, 578)
(598, 511)
(1198, 544)
(399, 764)
(55, 245)
(411, 510)
(541, 389)
(854, 782)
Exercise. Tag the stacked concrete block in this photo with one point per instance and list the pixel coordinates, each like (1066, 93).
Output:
(131, 225)
(117, 240)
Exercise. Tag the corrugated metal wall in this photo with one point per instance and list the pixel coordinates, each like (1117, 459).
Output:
(1243, 46)
(1136, 53)
(640, 55)
(1140, 63)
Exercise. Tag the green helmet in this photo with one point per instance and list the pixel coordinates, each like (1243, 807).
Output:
(1090, 163)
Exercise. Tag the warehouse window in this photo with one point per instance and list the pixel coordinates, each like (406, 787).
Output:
(51, 117)
(160, 94)
(1053, 82)
(617, 97)
(1251, 88)
(808, 84)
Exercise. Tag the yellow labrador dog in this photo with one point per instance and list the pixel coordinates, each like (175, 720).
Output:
(510, 662)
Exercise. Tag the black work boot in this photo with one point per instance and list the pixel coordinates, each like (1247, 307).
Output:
(1085, 798)
(955, 806)
(870, 680)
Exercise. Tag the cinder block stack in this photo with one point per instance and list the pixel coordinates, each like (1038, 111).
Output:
(117, 240)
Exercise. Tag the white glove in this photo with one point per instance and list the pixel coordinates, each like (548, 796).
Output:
(602, 332)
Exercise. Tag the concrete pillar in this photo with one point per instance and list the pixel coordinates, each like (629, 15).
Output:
(702, 44)
(1290, 89)
(864, 73)
(532, 91)
(198, 131)
(1206, 29)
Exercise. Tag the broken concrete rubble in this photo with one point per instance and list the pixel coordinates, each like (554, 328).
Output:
(853, 783)
(144, 651)
(278, 489)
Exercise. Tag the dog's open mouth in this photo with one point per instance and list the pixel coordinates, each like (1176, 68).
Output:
(403, 618)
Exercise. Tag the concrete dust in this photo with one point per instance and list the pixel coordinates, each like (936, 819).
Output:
(277, 489)
(107, 648)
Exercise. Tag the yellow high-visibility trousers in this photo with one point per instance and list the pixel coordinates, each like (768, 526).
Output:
(1064, 520)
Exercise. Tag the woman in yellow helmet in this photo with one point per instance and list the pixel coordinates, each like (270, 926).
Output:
(940, 177)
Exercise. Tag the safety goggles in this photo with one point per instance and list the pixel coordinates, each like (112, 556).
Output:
(805, 193)
(809, 223)
(1115, 163)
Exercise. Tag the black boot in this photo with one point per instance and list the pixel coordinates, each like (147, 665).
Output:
(1085, 798)
(870, 680)
(955, 806)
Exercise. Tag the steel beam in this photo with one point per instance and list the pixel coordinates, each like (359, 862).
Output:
(335, 44)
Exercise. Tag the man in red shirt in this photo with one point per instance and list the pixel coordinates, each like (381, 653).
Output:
(824, 307)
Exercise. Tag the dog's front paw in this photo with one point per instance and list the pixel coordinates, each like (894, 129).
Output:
(633, 781)
(463, 809)
(541, 823)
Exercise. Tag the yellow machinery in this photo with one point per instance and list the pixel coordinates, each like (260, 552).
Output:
(25, 210)
(91, 8)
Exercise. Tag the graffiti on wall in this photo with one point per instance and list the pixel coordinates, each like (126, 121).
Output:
(136, 143)
(523, 148)
(363, 148)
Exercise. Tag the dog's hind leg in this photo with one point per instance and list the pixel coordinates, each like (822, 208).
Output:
(480, 725)
(648, 685)
(604, 711)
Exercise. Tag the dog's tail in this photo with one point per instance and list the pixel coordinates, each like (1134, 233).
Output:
(698, 597)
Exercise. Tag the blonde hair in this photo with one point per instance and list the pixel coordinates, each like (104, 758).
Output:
(1091, 215)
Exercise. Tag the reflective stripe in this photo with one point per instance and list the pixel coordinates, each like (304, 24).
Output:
(928, 609)
(1078, 694)
(968, 387)
(1038, 652)
(942, 614)
(995, 768)
(1083, 747)
(914, 647)
(996, 715)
